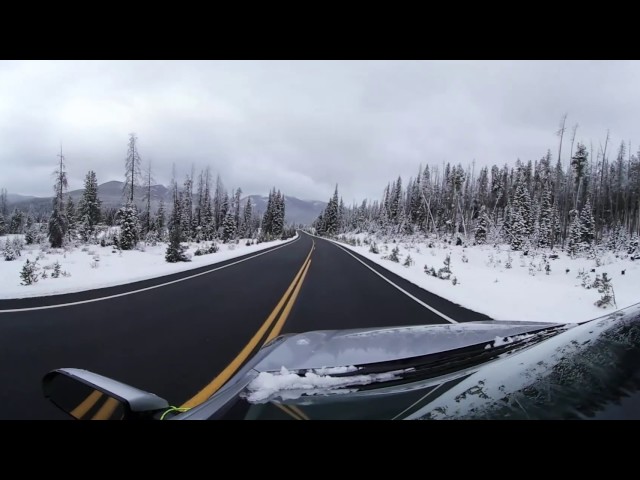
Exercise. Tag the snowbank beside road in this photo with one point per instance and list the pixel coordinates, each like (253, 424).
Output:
(93, 266)
(522, 292)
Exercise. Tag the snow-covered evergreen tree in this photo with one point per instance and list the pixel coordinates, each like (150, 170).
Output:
(70, 212)
(229, 228)
(160, 217)
(278, 215)
(3, 227)
(267, 218)
(89, 207)
(575, 234)
(58, 219)
(480, 233)
(129, 228)
(16, 221)
(587, 226)
(186, 209)
(236, 209)
(545, 220)
(175, 250)
(247, 226)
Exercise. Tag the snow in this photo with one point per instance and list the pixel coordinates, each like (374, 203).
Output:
(289, 385)
(485, 285)
(335, 370)
(93, 266)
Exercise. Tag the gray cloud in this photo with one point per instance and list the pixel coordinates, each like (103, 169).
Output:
(301, 126)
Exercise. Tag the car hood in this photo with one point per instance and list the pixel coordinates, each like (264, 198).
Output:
(339, 348)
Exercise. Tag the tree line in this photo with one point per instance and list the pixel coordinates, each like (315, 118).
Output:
(544, 203)
(203, 215)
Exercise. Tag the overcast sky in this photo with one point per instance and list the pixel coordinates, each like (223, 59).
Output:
(301, 126)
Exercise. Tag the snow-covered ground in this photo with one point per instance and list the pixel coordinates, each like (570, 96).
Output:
(94, 266)
(523, 292)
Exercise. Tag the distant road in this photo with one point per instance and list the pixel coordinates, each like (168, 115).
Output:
(186, 333)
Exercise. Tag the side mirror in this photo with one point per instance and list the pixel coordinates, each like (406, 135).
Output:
(88, 396)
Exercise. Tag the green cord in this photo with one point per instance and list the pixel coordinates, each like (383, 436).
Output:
(174, 409)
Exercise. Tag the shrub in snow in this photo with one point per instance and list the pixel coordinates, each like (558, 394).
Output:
(605, 288)
(151, 238)
(429, 271)
(394, 255)
(373, 248)
(248, 243)
(94, 264)
(585, 279)
(64, 273)
(464, 258)
(532, 269)
(84, 249)
(509, 260)
(44, 275)
(17, 244)
(30, 235)
(444, 273)
(56, 270)
(408, 261)
(29, 273)
(454, 280)
(7, 252)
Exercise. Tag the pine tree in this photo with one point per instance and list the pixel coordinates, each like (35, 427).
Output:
(545, 220)
(70, 212)
(278, 216)
(236, 208)
(160, 216)
(246, 220)
(330, 216)
(129, 227)
(480, 233)
(3, 228)
(267, 218)
(228, 228)
(575, 234)
(58, 219)
(132, 169)
(175, 250)
(29, 273)
(187, 209)
(587, 223)
(89, 207)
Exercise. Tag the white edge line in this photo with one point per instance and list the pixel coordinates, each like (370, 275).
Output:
(448, 319)
(142, 289)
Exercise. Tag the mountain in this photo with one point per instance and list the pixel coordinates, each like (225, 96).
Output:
(296, 210)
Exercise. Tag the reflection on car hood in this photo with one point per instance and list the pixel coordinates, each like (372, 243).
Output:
(338, 348)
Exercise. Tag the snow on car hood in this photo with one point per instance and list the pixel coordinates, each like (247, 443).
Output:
(341, 348)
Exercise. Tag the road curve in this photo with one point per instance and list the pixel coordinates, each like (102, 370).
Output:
(175, 339)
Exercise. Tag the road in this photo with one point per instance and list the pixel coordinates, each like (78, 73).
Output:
(181, 336)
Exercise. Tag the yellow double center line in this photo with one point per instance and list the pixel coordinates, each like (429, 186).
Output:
(287, 301)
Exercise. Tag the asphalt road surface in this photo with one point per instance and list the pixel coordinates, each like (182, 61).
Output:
(182, 334)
